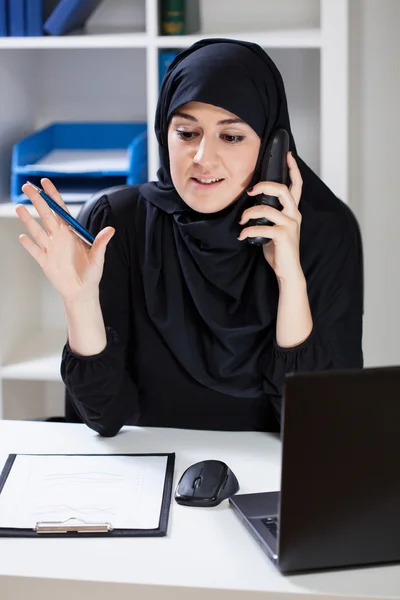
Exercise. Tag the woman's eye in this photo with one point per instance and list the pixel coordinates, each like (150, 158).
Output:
(185, 135)
(233, 139)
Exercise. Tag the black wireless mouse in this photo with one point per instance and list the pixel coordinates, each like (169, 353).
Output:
(206, 483)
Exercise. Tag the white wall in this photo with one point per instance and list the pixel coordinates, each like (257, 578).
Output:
(375, 168)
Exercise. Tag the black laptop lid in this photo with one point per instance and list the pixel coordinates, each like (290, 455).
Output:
(340, 492)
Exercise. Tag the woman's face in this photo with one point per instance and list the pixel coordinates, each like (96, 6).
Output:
(212, 155)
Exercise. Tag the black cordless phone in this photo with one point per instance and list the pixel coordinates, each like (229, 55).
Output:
(273, 168)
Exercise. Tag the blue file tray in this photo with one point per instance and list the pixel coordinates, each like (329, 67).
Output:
(80, 158)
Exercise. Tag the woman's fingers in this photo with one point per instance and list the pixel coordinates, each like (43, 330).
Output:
(288, 197)
(33, 249)
(99, 246)
(278, 190)
(34, 228)
(296, 186)
(44, 211)
(53, 192)
(264, 211)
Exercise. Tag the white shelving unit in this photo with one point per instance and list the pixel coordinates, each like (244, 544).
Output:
(111, 73)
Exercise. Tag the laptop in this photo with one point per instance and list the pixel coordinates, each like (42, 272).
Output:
(339, 502)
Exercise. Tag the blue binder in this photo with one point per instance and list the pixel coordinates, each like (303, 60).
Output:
(69, 15)
(165, 58)
(3, 18)
(16, 18)
(34, 17)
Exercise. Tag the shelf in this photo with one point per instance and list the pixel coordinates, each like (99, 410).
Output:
(117, 40)
(39, 359)
(7, 210)
(287, 38)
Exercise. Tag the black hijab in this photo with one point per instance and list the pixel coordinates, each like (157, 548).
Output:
(213, 298)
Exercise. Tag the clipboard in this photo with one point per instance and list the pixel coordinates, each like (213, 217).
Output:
(74, 527)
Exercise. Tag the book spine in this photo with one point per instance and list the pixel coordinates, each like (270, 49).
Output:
(16, 18)
(34, 17)
(3, 18)
(173, 17)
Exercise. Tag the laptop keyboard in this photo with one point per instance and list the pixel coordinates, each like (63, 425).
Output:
(271, 523)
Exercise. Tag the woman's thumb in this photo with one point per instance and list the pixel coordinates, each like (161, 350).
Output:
(100, 243)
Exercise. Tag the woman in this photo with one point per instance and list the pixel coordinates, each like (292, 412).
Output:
(186, 324)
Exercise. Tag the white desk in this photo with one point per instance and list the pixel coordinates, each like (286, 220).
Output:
(207, 553)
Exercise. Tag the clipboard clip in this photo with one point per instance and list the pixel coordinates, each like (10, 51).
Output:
(72, 525)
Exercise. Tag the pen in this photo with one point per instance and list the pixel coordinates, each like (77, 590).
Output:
(76, 227)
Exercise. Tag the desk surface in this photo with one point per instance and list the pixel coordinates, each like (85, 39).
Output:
(207, 553)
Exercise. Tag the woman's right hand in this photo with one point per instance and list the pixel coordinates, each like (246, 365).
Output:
(72, 267)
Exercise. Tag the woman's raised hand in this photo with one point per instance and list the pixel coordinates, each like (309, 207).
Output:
(72, 267)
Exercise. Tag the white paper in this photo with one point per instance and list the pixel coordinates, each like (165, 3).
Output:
(125, 491)
(82, 161)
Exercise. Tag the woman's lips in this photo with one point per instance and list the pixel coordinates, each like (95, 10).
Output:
(206, 186)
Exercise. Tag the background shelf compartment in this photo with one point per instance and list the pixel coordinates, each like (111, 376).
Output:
(81, 158)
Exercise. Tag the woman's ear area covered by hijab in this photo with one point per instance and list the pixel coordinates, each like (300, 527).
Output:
(212, 155)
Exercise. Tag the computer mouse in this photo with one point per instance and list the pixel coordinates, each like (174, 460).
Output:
(206, 483)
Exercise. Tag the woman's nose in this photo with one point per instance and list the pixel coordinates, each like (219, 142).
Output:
(206, 154)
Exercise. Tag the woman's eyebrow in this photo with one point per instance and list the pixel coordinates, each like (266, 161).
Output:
(177, 113)
(192, 118)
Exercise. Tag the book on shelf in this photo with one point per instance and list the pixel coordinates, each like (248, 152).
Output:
(69, 15)
(179, 17)
(172, 17)
(33, 18)
(16, 18)
(3, 18)
(20, 18)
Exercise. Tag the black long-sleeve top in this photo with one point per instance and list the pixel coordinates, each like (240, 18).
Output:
(137, 380)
